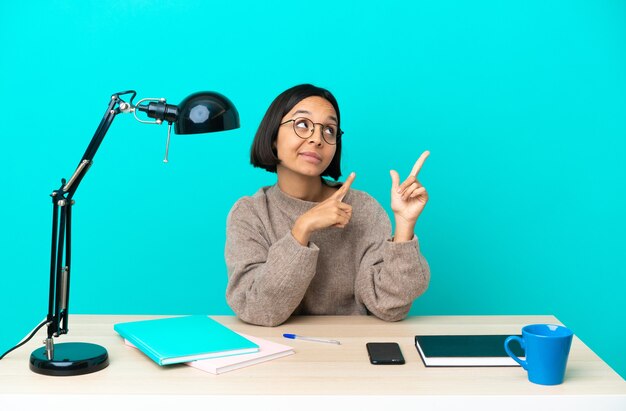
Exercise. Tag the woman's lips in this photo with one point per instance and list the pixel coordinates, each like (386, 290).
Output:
(311, 157)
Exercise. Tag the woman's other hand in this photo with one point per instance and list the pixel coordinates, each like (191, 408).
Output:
(408, 199)
(329, 213)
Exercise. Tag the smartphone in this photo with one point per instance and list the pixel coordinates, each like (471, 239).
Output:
(384, 353)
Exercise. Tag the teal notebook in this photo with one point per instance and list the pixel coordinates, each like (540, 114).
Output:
(183, 339)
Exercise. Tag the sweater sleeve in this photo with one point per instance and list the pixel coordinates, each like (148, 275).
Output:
(390, 275)
(266, 282)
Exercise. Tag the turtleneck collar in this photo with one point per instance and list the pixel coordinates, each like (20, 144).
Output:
(296, 206)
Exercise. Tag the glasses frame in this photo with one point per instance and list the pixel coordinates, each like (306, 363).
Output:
(339, 131)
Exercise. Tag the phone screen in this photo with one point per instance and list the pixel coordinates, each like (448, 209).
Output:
(385, 353)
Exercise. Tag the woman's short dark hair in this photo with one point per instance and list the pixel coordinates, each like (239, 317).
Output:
(263, 153)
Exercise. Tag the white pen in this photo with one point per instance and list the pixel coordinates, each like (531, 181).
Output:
(322, 340)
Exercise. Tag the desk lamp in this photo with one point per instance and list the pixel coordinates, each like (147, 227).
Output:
(203, 112)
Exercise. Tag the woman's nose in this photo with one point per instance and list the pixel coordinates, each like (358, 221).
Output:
(315, 138)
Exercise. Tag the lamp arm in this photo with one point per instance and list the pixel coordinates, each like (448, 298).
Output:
(94, 144)
(60, 256)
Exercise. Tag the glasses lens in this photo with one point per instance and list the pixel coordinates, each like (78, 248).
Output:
(303, 127)
(330, 134)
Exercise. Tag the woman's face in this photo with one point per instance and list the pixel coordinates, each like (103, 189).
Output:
(307, 156)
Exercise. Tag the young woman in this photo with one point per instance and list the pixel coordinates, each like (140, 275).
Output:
(309, 246)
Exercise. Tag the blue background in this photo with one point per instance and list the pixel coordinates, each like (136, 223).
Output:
(521, 103)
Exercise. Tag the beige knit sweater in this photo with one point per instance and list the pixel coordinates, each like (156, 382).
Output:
(354, 270)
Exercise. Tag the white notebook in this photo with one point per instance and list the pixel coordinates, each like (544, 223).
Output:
(268, 350)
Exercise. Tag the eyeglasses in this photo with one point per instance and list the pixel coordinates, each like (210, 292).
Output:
(304, 128)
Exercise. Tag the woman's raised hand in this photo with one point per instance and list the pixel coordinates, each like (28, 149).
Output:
(329, 213)
(409, 198)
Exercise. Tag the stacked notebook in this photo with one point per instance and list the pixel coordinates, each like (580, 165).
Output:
(199, 341)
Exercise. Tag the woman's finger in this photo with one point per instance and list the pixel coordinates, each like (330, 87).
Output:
(345, 207)
(419, 163)
(410, 189)
(343, 190)
(406, 183)
(395, 179)
(418, 192)
(341, 224)
(414, 172)
(343, 215)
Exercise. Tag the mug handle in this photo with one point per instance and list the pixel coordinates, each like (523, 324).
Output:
(523, 363)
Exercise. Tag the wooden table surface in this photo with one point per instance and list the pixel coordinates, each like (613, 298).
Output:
(315, 368)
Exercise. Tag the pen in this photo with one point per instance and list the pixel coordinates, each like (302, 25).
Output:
(322, 340)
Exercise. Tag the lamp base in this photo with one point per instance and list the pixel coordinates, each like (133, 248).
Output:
(70, 359)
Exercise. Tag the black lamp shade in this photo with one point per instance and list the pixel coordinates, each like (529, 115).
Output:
(206, 112)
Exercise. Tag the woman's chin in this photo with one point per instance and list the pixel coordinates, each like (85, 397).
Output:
(308, 170)
(313, 170)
